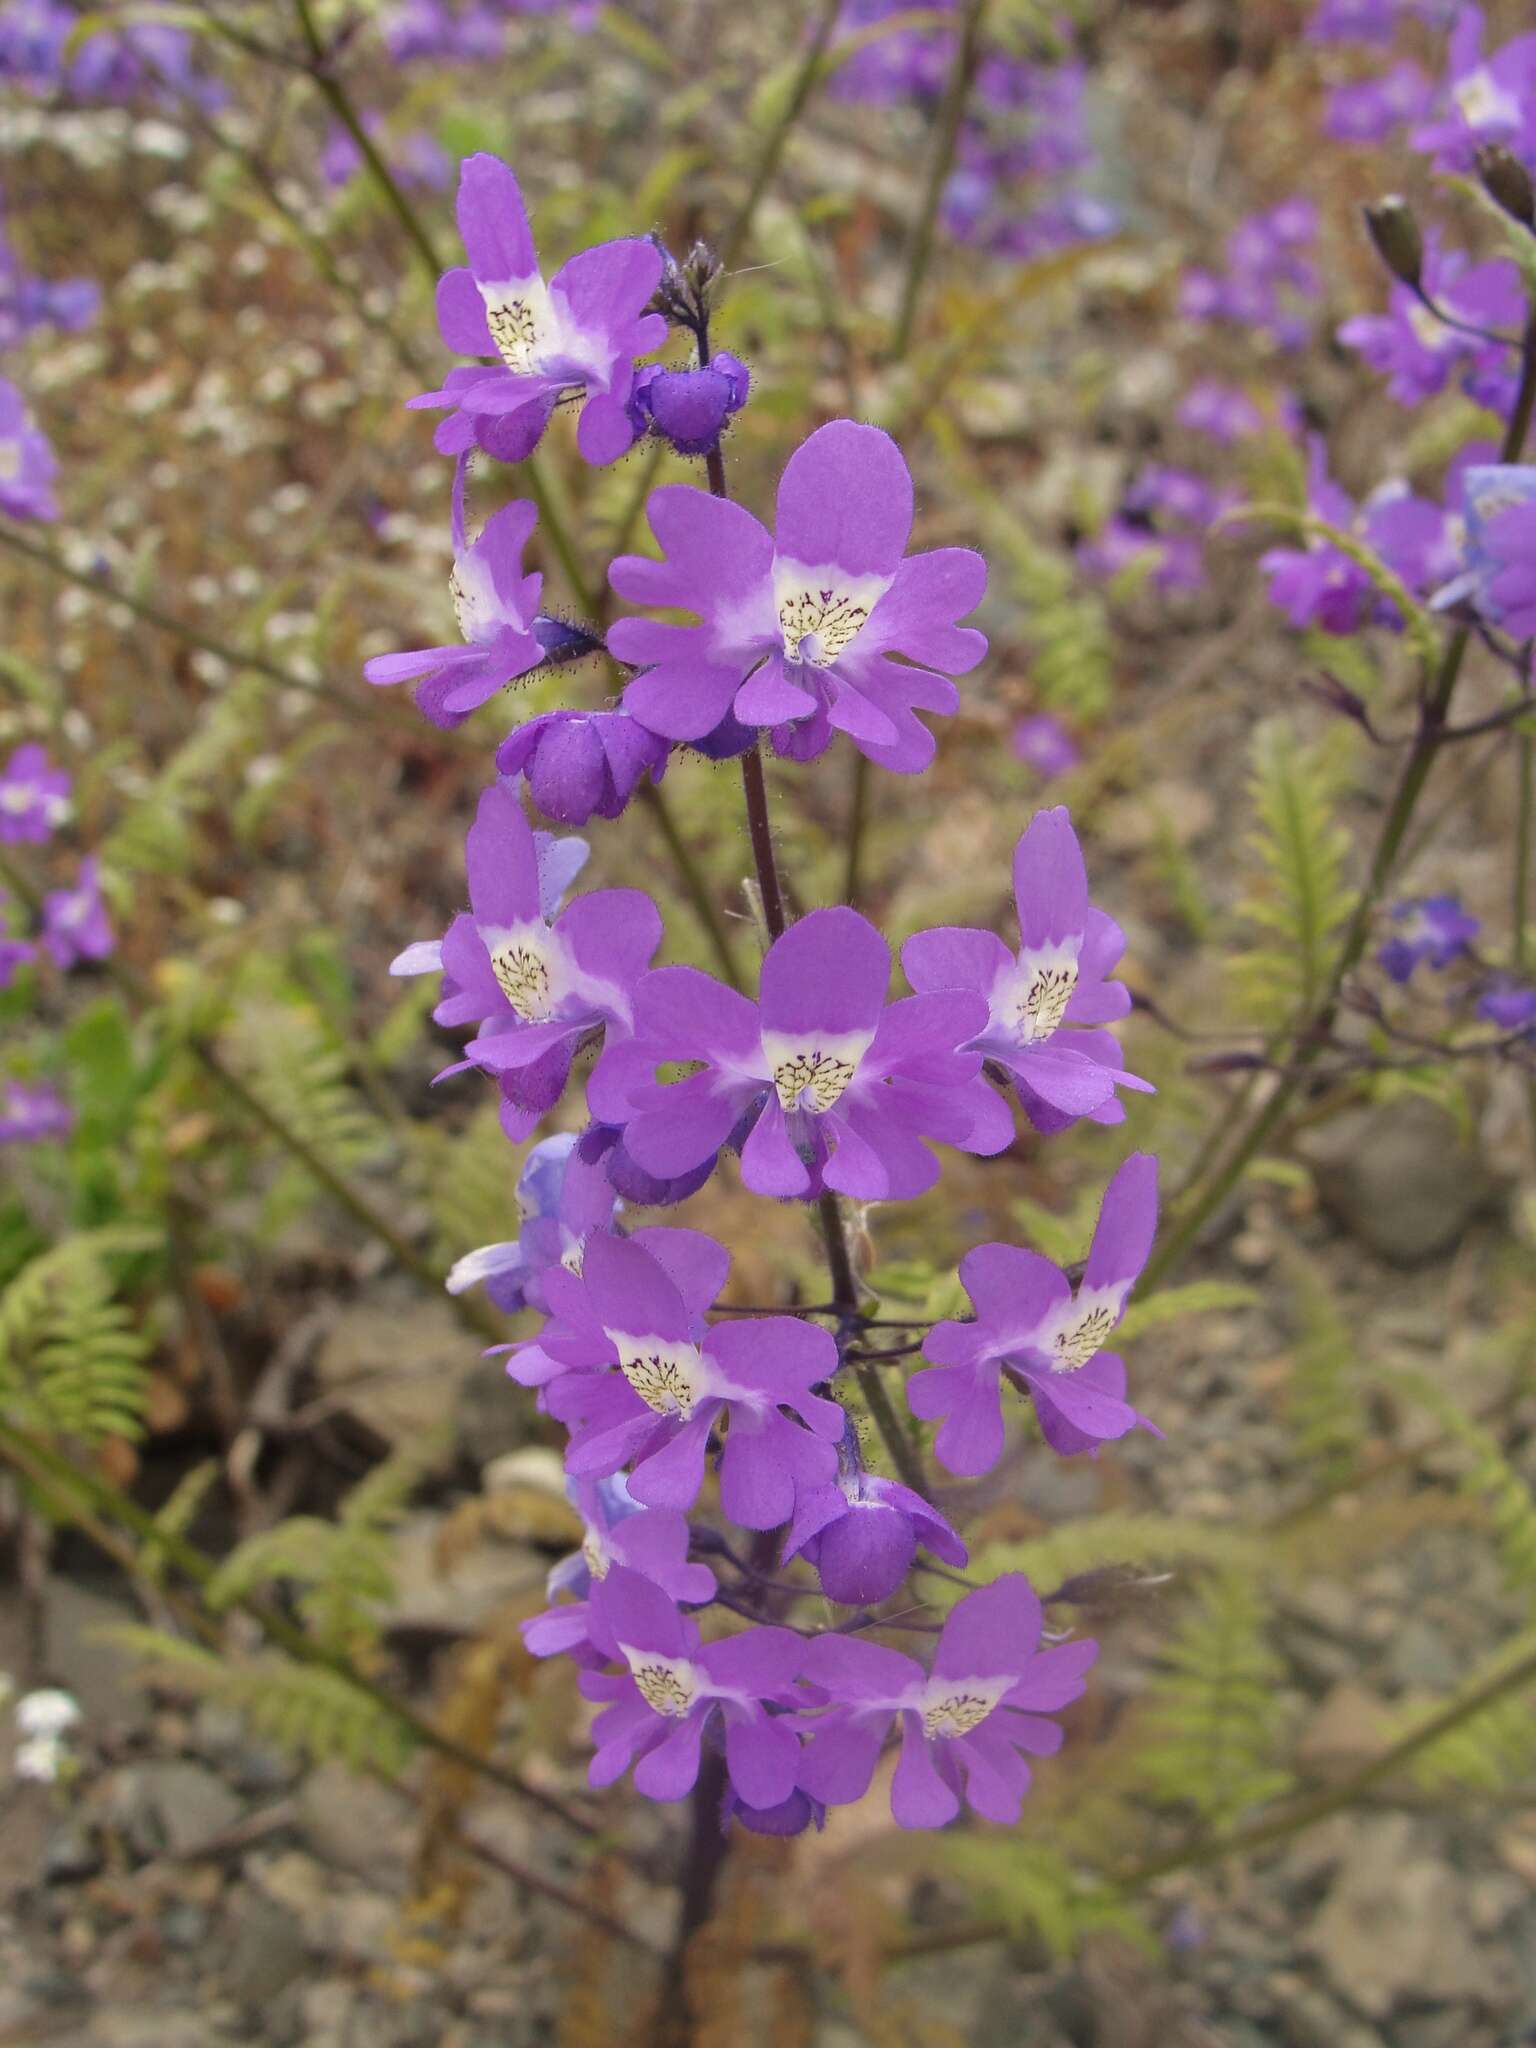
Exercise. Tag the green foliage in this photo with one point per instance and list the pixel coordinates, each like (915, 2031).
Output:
(1173, 1304)
(1032, 1888)
(1323, 1402)
(1063, 1237)
(345, 1566)
(155, 834)
(306, 1709)
(1494, 1749)
(1151, 1542)
(1071, 643)
(1216, 1718)
(71, 1353)
(471, 1182)
(1298, 897)
(1486, 1476)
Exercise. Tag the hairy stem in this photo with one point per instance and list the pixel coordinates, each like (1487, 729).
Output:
(1312, 1037)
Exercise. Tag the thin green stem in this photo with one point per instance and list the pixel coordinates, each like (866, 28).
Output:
(695, 882)
(760, 832)
(1312, 1037)
(858, 823)
(70, 1484)
(734, 239)
(957, 90)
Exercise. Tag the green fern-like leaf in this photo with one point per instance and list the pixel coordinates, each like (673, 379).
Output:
(1215, 1716)
(1323, 1400)
(315, 1713)
(1487, 1477)
(1173, 1304)
(1298, 898)
(471, 1183)
(1494, 1749)
(71, 1354)
(156, 834)
(1150, 1543)
(1032, 1888)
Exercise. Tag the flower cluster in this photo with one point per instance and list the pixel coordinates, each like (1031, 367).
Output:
(681, 1408)
(72, 927)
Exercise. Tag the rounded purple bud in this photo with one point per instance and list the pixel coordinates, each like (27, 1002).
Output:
(863, 1556)
(690, 408)
(582, 764)
(792, 1816)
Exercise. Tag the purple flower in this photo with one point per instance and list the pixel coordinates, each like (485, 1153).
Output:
(841, 1086)
(675, 1685)
(964, 1722)
(27, 464)
(1170, 561)
(628, 1363)
(1490, 99)
(1353, 21)
(1416, 538)
(1417, 352)
(75, 925)
(537, 984)
(496, 606)
(1178, 493)
(580, 332)
(1372, 109)
(631, 1183)
(689, 408)
(452, 34)
(563, 1199)
(1047, 746)
(31, 1114)
(1057, 980)
(583, 764)
(34, 797)
(1223, 411)
(650, 1541)
(1434, 930)
(798, 628)
(1267, 273)
(28, 303)
(861, 1532)
(416, 159)
(1031, 1324)
(1508, 1005)
(791, 1816)
(1319, 584)
(1498, 547)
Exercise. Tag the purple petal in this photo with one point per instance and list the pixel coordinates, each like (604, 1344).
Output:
(916, 615)
(1050, 882)
(1127, 1224)
(493, 222)
(695, 1264)
(992, 1630)
(845, 499)
(827, 973)
(759, 1661)
(858, 1671)
(919, 1796)
(762, 1758)
(1013, 1290)
(954, 956)
(970, 1440)
(1053, 1679)
(839, 1761)
(501, 861)
(461, 315)
(672, 1768)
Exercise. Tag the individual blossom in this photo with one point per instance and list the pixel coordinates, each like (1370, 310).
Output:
(791, 1816)
(1168, 561)
(618, 1530)
(416, 159)
(1044, 1001)
(1430, 930)
(1268, 280)
(1418, 353)
(34, 797)
(1319, 584)
(862, 1532)
(563, 1198)
(674, 1688)
(538, 982)
(967, 1723)
(27, 463)
(1488, 98)
(28, 303)
(798, 629)
(75, 923)
(1509, 1005)
(690, 408)
(445, 31)
(1045, 744)
(1373, 109)
(33, 1113)
(841, 1087)
(628, 1364)
(1354, 21)
(496, 606)
(1498, 550)
(1031, 1325)
(1224, 412)
(578, 334)
(583, 764)
(604, 1144)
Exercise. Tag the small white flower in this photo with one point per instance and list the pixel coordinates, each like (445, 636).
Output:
(41, 1760)
(47, 1713)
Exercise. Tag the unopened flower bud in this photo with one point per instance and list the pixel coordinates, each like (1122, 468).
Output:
(1507, 182)
(1399, 242)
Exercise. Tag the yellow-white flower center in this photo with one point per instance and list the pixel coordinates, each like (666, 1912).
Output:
(522, 964)
(1033, 1001)
(1429, 331)
(1479, 100)
(668, 1685)
(522, 321)
(813, 1073)
(594, 1556)
(955, 1706)
(10, 461)
(668, 1377)
(822, 610)
(475, 604)
(1085, 1327)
